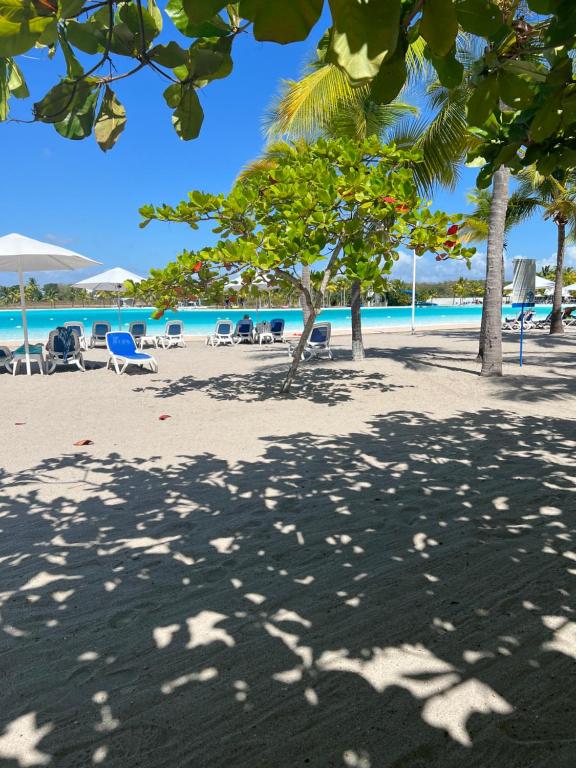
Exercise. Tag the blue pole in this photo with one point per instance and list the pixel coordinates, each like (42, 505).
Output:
(521, 333)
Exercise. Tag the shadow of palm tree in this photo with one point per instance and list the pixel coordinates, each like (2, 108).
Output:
(395, 597)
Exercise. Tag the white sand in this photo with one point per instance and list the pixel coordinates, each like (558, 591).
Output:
(376, 572)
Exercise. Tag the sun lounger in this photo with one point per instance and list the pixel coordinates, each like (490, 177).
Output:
(138, 330)
(244, 331)
(79, 328)
(99, 331)
(173, 335)
(64, 348)
(318, 345)
(513, 323)
(6, 359)
(223, 334)
(277, 329)
(123, 352)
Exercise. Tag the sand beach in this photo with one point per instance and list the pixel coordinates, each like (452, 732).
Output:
(376, 572)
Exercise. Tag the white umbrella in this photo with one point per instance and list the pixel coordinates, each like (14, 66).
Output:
(23, 254)
(539, 283)
(112, 280)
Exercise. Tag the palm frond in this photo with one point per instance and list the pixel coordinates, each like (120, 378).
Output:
(306, 105)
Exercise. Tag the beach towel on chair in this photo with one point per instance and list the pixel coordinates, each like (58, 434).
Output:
(66, 341)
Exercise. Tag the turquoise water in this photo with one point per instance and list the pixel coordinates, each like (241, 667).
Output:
(202, 321)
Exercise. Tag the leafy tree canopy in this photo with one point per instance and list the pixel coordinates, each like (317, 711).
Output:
(523, 106)
(344, 206)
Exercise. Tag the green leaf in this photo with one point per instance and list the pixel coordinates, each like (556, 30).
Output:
(209, 60)
(69, 9)
(110, 121)
(546, 120)
(281, 21)
(202, 10)
(20, 26)
(483, 101)
(363, 36)
(172, 95)
(79, 121)
(130, 16)
(61, 100)
(439, 26)
(188, 115)
(480, 17)
(213, 27)
(170, 55)
(4, 92)
(514, 91)
(449, 70)
(86, 37)
(16, 83)
(73, 66)
(540, 6)
(389, 81)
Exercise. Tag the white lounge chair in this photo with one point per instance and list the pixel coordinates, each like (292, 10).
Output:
(99, 331)
(513, 323)
(277, 328)
(138, 330)
(63, 348)
(173, 335)
(244, 331)
(79, 328)
(123, 352)
(223, 334)
(318, 345)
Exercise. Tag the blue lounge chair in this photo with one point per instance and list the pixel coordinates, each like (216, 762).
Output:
(244, 331)
(277, 329)
(64, 348)
(173, 335)
(5, 359)
(123, 352)
(79, 328)
(99, 331)
(318, 345)
(223, 334)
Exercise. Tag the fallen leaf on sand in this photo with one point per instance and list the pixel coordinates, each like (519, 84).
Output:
(84, 442)
(164, 417)
(19, 423)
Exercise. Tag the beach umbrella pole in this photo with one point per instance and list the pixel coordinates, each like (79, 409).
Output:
(119, 313)
(24, 319)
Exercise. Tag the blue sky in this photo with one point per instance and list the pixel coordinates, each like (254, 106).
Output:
(75, 195)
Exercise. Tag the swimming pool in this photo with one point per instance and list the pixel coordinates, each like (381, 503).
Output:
(202, 321)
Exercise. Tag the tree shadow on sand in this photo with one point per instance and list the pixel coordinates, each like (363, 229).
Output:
(319, 382)
(397, 597)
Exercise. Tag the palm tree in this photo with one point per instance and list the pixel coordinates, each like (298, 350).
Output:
(479, 226)
(556, 197)
(51, 293)
(32, 290)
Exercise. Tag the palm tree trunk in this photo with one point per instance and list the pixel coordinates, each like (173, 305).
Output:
(491, 341)
(355, 305)
(306, 283)
(556, 324)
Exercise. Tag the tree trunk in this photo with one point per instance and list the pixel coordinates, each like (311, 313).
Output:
(355, 305)
(312, 315)
(306, 283)
(556, 324)
(491, 343)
